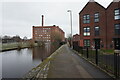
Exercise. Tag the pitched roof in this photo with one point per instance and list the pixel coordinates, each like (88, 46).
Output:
(114, 1)
(90, 2)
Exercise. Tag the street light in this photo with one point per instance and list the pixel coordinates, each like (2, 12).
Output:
(70, 20)
(70, 23)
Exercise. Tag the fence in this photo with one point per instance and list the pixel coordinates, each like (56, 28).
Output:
(108, 62)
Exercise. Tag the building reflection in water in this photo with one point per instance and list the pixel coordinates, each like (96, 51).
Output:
(41, 53)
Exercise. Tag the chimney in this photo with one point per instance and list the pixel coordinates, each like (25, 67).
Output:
(116, 0)
(91, 1)
(42, 20)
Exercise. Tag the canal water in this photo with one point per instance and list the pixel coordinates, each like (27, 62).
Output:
(16, 63)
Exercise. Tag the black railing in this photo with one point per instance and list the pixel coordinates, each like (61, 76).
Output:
(117, 65)
(108, 62)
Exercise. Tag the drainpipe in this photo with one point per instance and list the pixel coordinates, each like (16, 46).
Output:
(106, 29)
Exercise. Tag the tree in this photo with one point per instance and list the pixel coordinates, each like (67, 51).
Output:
(16, 38)
(24, 38)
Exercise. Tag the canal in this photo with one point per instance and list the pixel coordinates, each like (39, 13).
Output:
(16, 63)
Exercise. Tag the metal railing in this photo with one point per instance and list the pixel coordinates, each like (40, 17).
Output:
(107, 62)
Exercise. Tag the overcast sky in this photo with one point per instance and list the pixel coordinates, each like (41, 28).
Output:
(18, 16)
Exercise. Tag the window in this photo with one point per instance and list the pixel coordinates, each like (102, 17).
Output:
(117, 29)
(96, 17)
(86, 31)
(97, 31)
(87, 43)
(86, 18)
(117, 14)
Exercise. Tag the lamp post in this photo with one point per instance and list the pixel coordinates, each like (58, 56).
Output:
(70, 23)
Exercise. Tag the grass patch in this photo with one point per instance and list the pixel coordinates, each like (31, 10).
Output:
(109, 51)
(8, 46)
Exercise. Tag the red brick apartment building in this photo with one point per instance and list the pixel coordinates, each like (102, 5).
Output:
(113, 25)
(99, 26)
(48, 33)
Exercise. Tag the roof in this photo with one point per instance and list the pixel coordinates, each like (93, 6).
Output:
(49, 27)
(45, 26)
(99, 4)
(76, 35)
(90, 2)
(109, 5)
(114, 1)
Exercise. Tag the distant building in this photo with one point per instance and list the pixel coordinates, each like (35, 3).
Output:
(76, 39)
(48, 33)
(99, 26)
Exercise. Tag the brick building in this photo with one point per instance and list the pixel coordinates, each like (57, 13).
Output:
(113, 25)
(76, 39)
(97, 25)
(47, 33)
(93, 25)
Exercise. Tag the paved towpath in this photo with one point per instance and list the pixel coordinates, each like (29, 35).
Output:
(67, 64)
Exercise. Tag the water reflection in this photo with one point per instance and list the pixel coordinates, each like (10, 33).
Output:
(16, 63)
(41, 53)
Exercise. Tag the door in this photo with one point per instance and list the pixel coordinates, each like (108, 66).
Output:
(117, 43)
(97, 43)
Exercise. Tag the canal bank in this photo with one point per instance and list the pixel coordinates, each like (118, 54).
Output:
(41, 70)
(18, 46)
(64, 63)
